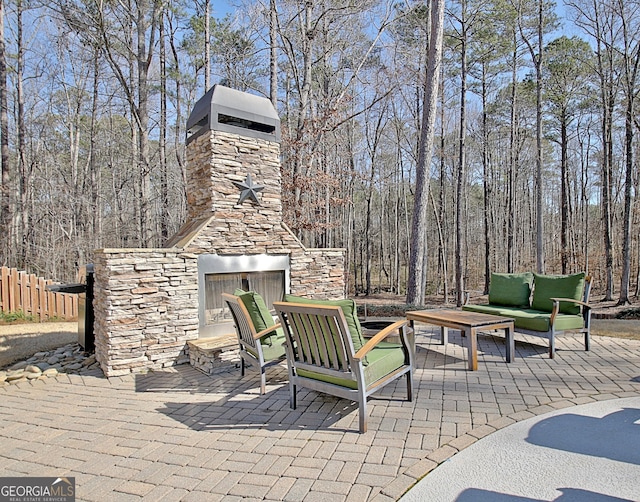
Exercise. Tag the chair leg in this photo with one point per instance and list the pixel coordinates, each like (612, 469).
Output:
(552, 345)
(410, 386)
(263, 380)
(362, 413)
(241, 365)
(292, 396)
(587, 340)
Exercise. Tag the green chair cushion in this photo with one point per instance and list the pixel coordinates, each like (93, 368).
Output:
(383, 359)
(272, 346)
(348, 309)
(510, 289)
(557, 286)
(260, 316)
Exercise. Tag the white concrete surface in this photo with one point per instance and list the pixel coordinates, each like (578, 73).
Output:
(586, 453)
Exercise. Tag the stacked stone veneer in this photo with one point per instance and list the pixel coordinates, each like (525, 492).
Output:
(146, 300)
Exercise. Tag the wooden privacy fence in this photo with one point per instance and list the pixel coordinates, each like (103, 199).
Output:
(27, 293)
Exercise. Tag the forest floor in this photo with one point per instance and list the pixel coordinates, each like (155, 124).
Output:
(19, 341)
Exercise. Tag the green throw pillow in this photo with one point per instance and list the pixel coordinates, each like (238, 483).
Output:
(348, 309)
(557, 286)
(510, 290)
(257, 308)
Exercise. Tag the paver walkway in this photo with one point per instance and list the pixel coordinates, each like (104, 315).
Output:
(181, 435)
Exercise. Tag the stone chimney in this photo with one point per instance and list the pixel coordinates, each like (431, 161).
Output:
(233, 145)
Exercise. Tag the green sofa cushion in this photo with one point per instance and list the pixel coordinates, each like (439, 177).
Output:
(348, 309)
(510, 289)
(383, 359)
(529, 319)
(262, 319)
(557, 286)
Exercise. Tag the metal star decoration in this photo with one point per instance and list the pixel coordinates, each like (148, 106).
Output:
(248, 190)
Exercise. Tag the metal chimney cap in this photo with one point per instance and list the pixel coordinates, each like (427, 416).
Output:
(229, 110)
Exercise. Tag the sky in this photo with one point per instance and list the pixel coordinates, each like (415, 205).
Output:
(220, 8)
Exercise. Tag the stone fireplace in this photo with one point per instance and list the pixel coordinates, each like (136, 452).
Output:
(150, 302)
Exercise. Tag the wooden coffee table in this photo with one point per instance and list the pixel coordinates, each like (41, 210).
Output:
(469, 323)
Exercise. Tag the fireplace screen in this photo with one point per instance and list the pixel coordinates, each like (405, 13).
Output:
(265, 274)
(271, 285)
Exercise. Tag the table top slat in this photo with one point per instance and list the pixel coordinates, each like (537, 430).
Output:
(455, 318)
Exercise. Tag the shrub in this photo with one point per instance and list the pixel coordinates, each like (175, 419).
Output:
(15, 317)
(631, 313)
(386, 310)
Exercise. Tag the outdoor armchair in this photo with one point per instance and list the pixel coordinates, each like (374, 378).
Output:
(259, 337)
(321, 354)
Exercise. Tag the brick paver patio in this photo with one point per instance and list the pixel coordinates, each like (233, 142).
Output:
(181, 435)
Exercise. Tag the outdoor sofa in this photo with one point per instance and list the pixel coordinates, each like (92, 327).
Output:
(541, 305)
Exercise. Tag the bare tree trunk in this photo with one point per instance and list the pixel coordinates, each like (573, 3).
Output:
(143, 22)
(304, 104)
(625, 275)
(397, 211)
(607, 94)
(511, 186)
(486, 183)
(178, 139)
(23, 216)
(162, 154)
(373, 153)
(207, 45)
(538, 59)
(442, 245)
(564, 196)
(630, 64)
(5, 190)
(461, 181)
(350, 258)
(273, 53)
(144, 62)
(597, 19)
(585, 147)
(441, 210)
(94, 170)
(417, 269)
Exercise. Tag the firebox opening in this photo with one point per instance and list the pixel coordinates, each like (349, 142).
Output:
(265, 274)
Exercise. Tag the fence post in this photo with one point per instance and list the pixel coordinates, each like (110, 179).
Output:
(14, 296)
(42, 299)
(33, 295)
(4, 289)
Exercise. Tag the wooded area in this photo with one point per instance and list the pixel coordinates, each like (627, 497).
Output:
(534, 163)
